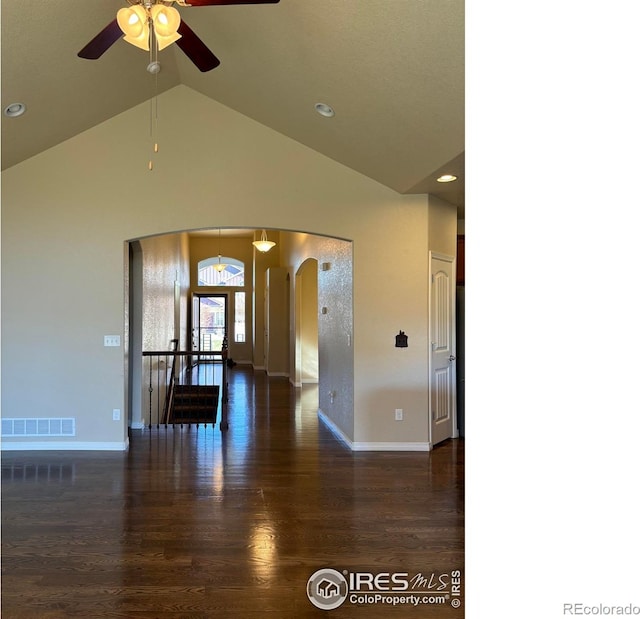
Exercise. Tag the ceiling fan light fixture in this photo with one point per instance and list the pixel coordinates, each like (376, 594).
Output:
(141, 42)
(263, 244)
(132, 20)
(134, 23)
(166, 20)
(166, 41)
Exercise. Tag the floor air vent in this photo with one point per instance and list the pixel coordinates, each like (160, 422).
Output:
(39, 427)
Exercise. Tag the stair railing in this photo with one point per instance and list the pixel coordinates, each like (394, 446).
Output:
(167, 371)
(168, 401)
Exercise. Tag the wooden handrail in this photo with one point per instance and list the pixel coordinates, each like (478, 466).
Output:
(182, 353)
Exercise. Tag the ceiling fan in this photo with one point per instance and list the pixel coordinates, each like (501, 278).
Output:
(150, 24)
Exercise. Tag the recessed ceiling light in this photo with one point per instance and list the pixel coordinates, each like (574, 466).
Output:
(447, 178)
(15, 109)
(325, 110)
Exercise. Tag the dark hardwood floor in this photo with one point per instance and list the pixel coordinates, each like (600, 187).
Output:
(194, 523)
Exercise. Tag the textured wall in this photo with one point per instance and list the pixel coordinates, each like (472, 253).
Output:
(165, 263)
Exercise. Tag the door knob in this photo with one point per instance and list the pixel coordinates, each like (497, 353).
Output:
(452, 358)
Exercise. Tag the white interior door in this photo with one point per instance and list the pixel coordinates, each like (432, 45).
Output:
(442, 381)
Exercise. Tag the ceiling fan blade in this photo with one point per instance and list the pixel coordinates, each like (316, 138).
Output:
(195, 49)
(223, 2)
(101, 42)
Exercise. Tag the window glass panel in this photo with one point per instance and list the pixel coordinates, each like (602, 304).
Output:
(231, 275)
(239, 321)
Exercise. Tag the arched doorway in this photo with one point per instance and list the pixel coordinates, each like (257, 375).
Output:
(318, 354)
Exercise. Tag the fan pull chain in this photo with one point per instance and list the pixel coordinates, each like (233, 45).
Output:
(154, 121)
(151, 131)
(154, 68)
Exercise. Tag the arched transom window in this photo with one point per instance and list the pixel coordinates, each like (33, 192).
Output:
(231, 275)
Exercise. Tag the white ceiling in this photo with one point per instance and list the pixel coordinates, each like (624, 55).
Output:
(393, 70)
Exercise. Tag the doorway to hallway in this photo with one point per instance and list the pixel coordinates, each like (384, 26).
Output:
(156, 314)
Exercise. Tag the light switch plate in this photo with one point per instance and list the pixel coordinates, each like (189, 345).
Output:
(112, 340)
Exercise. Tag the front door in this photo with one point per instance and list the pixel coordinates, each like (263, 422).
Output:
(209, 322)
(442, 336)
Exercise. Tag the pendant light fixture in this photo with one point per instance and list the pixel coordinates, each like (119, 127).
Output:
(263, 244)
(220, 266)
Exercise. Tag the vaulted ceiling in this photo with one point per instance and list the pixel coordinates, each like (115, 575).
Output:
(393, 70)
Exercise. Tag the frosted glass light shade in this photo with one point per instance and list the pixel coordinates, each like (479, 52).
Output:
(134, 23)
(263, 244)
(165, 41)
(166, 21)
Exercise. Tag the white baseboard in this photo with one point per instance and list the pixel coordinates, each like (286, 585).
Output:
(138, 425)
(363, 446)
(65, 446)
(371, 446)
(278, 374)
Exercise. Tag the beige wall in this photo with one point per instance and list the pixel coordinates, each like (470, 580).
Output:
(443, 227)
(277, 322)
(67, 212)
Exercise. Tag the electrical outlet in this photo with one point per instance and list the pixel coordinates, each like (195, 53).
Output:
(116, 414)
(399, 414)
